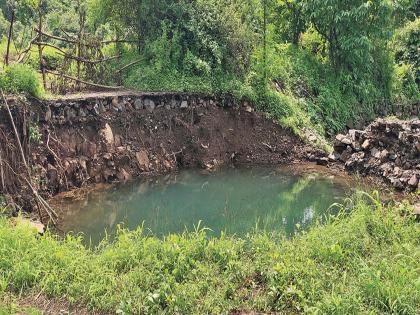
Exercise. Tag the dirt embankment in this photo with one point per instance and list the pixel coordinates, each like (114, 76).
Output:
(74, 142)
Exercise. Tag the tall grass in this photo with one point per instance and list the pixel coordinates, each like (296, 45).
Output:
(363, 263)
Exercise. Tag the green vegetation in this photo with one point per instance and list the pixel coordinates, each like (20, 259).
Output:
(308, 63)
(362, 263)
(21, 78)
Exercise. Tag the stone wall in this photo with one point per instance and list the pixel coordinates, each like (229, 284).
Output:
(389, 148)
(85, 109)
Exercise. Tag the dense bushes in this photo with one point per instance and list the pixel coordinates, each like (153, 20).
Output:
(338, 62)
(365, 262)
(21, 78)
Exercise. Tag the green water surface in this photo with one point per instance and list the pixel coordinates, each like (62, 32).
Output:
(235, 201)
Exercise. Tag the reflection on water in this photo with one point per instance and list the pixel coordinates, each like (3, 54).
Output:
(231, 200)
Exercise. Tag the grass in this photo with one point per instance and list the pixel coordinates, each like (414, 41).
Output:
(363, 263)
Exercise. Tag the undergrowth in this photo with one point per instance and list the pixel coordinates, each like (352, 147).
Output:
(363, 263)
(21, 78)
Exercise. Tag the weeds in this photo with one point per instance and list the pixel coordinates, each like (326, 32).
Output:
(365, 262)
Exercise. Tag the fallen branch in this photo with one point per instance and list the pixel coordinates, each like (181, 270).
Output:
(175, 154)
(113, 41)
(129, 65)
(55, 37)
(57, 159)
(16, 134)
(89, 61)
(84, 82)
(3, 187)
(24, 52)
(50, 45)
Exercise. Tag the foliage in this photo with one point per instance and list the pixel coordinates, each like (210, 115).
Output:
(350, 28)
(21, 78)
(407, 43)
(365, 262)
(330, 64)
(4, 26)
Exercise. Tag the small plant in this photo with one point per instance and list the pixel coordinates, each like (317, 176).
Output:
(35, 135)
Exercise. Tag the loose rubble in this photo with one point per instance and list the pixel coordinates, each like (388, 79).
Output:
(388, 148)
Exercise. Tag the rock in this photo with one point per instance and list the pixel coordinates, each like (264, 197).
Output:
(143, 160)
(397, 171)
(346, 154)
(248, 109)
(102, 108)
(115, 103)
(397, 183)
(138, 104)
(384, 155)
(52, 175)
(48, 115)
(355, 159)
(417, 147)
(184, 104)
(414, 181)
(386, 169)
(343, 139)
(375, 153)
(149, 105)
(322, 161)
(334, 157)
(355, 135)
(107, 135)
(417, 209)
(123, 175)
(366, 144)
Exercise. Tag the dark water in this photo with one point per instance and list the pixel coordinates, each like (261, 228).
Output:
(231, 200)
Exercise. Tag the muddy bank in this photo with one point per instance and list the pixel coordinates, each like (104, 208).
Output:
(74, 142)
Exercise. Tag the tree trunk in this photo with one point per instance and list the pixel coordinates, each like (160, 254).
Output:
(265, 40)
(9, 38)
(40, 47)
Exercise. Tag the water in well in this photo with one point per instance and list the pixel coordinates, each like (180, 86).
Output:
(234, 201)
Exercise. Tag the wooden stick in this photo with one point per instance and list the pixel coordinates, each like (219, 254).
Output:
(50, 45)
(16, 134)
(129, 65)
(3, 187)
(90, 61)
(55, 37)
(85, 82)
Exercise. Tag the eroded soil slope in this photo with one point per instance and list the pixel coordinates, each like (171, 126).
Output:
(97, 140)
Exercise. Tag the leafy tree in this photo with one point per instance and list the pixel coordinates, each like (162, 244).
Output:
(290, 20)
(4, 25)
(352, 28)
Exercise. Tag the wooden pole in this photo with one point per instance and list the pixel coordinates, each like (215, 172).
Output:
(3, 186)
(40, 47)
(265, 40)
(9, 37)
(107, 87)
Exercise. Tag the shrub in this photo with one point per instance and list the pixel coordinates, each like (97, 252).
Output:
(20, 78)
